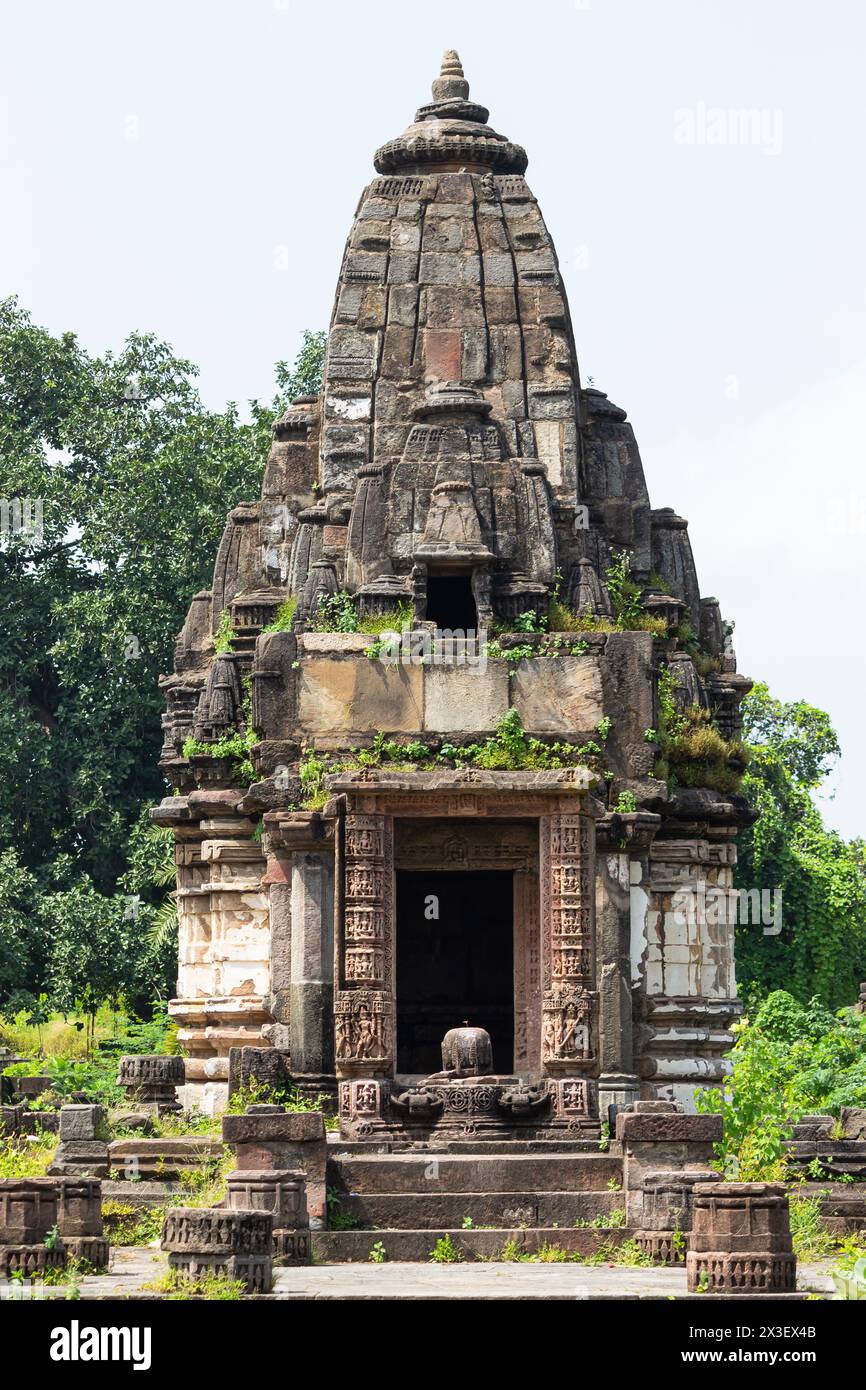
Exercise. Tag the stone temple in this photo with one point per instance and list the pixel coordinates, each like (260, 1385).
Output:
(470, 835)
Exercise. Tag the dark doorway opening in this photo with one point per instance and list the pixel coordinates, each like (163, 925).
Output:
(450, 602)
(455, 962)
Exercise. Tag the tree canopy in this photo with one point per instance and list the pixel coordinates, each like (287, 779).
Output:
(123, 481)
(821, 949)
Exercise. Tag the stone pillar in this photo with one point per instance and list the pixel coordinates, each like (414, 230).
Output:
(79, 1219)
(683, 955)
(569, 1030)
(267, 1137)
(83, 1148)
(28, 1213)
(151, 1081)
(282, 1192)
(364, 1011)
(741, 1240)
(620, 839)
(300, 878)
(656, 1136)
(216, 1240)
(223, 975)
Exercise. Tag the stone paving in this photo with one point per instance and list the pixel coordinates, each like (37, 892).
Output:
(133, 1268)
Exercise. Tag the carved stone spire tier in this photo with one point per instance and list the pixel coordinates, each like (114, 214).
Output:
(451, 132)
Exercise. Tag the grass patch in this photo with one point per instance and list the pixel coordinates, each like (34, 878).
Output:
(176, 1287)
(27, 1156)
(125, 1224)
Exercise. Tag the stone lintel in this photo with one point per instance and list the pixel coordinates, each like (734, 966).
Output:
(575, 781)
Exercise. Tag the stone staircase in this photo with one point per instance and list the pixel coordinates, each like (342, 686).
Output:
(534, 1192)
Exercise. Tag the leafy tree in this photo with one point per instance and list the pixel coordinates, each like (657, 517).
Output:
(822, 946)
(133, 478)
(789, 1060)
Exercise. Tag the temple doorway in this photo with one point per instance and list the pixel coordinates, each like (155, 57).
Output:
(454, 961)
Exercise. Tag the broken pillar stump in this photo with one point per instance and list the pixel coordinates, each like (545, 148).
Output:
(215, 1240)
(741, 1239)
(268, 1137)
(28, 1218)
(663, 1211)
(79, 1217)
(282, 1192)
(83, 1149)
(151, 1081)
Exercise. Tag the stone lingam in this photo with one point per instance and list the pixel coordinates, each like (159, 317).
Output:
(467, 1097)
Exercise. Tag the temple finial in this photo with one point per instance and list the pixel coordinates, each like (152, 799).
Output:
(451, 85)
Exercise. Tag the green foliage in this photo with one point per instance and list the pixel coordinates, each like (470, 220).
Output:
(789, 1060)
(812, 1241)
(529, 621)
(691, 751)
(624, 592)
(339, 1220)
(378, 1255)
(304, 377)
(822, 946)
(284, 615)
(849, 1276)
(27, 1158)
(628, 614)
(176, 1287)
(335, 613)
(445, 1252)
(510, 748)
(626, 803)
(224, 635)
(135, 477)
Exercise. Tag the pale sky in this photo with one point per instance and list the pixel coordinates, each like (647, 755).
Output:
(191, 167)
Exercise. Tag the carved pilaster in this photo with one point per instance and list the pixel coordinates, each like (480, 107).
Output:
(364, 1003)
(569, 1024)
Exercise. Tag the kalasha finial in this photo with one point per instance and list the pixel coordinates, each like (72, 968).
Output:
(451, 85)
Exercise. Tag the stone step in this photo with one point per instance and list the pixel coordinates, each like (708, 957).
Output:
(484, 1147)
(449, 1172)
(142, 1159)
(427, 1210)
(353, 1247)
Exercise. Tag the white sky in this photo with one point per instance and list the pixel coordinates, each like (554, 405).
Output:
(163, 160)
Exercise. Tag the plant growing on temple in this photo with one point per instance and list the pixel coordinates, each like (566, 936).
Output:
(223, 637)
(624, 592)
(445, 1252)
(529, 621)
(822, 946)
(691, 751)
(237, 746)
(284, 615)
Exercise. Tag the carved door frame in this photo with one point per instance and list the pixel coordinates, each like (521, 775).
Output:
(556, 1003)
